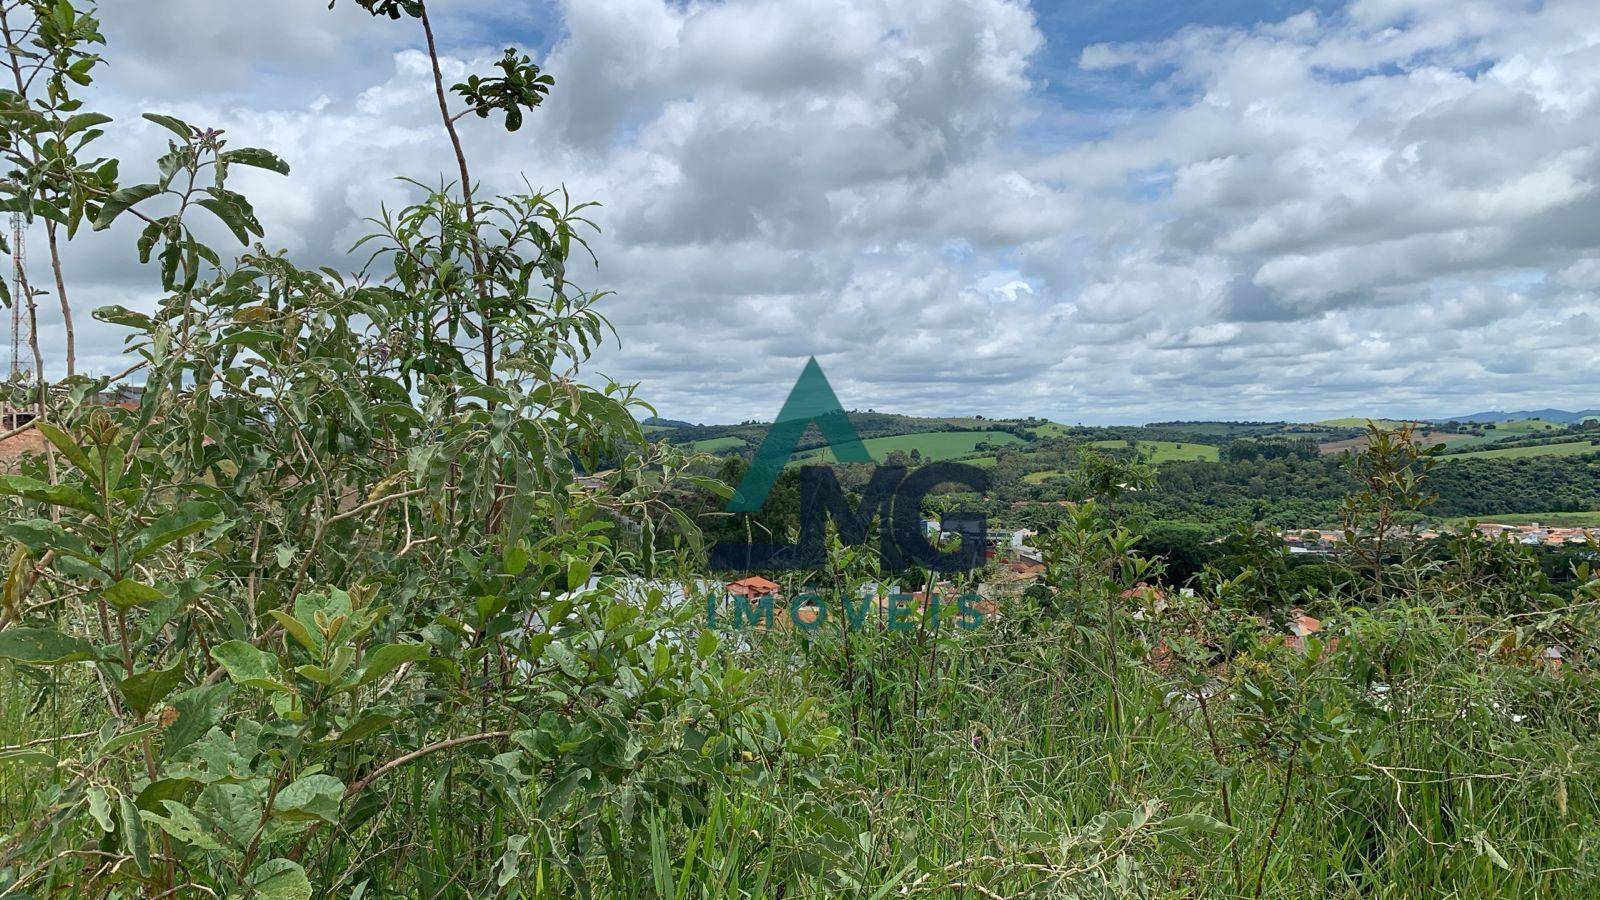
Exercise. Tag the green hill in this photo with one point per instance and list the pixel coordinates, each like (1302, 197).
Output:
(1568, 448)
(1165, 451)
(712, 445)
(931, 446)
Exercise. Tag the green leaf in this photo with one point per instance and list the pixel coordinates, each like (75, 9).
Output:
(516, 559)
(234, 214)
(556, 795)
(43, 646)
(189, 517)
(40, 208)
(82, 121)
(144, 690)
(27, 755)
(39, 535)
(296, 629)
(311, 797)
(121, 201)
(182, 824)
(278, 879)
(257, 157)
(370, 723)
(1198, 822)
(127, 594)
(39, 491)
(126, 738)
(331, 604)
(389, 657)
(69, 448)
(121, 315)
(713, 486)
(198, 709)
(175, 125)
(706, 644)
(158, 792)
(249, 666)
(100, 808)
(134, 837)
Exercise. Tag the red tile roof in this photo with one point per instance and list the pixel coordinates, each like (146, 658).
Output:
(753, 586)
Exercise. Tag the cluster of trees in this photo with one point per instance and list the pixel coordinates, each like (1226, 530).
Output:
(1260, 449)
(1300, 491)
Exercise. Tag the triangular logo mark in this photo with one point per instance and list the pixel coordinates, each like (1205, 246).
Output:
(811, 400)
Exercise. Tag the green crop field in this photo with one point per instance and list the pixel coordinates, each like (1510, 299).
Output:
(1042, 477)
(931, 445)
(1523, 426)
(1554, 519)
(1166, 451)
(712, 445)
(1518, 428)
(1569, 448)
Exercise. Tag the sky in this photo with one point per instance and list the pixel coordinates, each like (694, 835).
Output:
(1094, 211)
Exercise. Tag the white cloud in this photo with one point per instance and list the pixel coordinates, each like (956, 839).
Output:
(1388, 210)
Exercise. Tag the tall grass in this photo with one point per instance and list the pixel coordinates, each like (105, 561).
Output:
(985, 764)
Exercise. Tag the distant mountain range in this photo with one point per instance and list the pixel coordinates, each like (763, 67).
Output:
(1549, 415)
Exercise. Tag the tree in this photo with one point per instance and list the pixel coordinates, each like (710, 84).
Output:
(49, 54)
(329, 547)
(1391, 471)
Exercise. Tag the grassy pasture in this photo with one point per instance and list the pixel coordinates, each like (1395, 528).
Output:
(713, 445)
(1050, 430)
(933, 446)
(1359, 443)
(1165, 451)
(1568, 448)
(1555, 519)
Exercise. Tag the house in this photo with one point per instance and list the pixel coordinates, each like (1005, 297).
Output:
(124, 396)
(1024, 567)
(1556, 537)
(1312, 540)
(1301, 627)
(753, 588)
(1150, 600)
